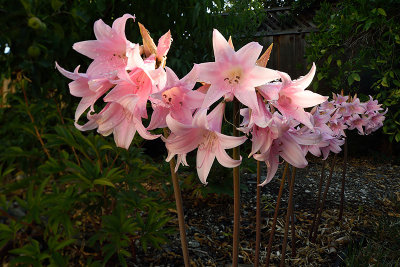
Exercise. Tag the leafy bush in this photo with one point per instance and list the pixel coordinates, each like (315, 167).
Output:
(357, 48)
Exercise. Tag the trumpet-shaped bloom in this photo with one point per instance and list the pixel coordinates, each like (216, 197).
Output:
(110, 50)
(177, 99)
(292, 98)
(234, 73)
(83, 86)
(205, 134)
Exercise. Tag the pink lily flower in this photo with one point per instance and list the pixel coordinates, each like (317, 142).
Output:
(284, 140)
(334, 146)
(354, 107)
(83, 86)
(375, 122)
(339, 99)
(134, 90)
(372, 106)
(110, 50)
(205, 134)
(292, 98)
(234, 73)
(177, 99)
(357, 122)
(120, 119)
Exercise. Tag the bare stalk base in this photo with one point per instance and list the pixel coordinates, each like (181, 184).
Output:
(278, 202)
(179, 209)
(288, 214)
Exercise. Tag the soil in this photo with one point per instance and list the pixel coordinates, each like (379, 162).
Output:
(372, 190)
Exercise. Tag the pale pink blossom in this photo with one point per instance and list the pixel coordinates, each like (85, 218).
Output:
(110, 50)
(177, 99)
(83, 86)
(292, 98)
(234, 73)
(205, 134)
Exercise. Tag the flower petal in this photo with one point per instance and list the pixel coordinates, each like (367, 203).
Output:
(228, 142)
(101, 30)
(222, 50)
(249, 53)
(259, 76)
(306, 99)
(204, 161)
(124, 133)
(225, 160)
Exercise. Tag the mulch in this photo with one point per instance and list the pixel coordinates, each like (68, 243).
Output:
(372, 191)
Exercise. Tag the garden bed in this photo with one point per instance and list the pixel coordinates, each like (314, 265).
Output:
(372, 204)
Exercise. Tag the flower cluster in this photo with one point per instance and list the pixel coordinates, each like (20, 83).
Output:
(126, 76)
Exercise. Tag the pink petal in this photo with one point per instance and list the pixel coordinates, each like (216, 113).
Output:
(247, 96)
(101, 30)
(91, 49)
(129, 102)
(213, 94)
(80, 88)
(272, 168)
(142, 130)
(70, 75)
(200, 119)
(172, 78)
(158, 118)
(207, 72)
(183, 144)
(110, 117)
(225, 160)
(83, 105)
(204, 161)
(306, 80)
(314, 150)
(306, 99)
(228, 142)
(119, 25)
(191, 78)
(124, 133)
(292, 152)
(259, 76)
(177, 127)
(164, 43)
(270, 91)
(193, 99)
(119, 91)
(249, 53)
(215, 117)
(222, 50)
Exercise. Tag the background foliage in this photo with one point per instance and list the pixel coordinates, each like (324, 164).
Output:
(357, 49)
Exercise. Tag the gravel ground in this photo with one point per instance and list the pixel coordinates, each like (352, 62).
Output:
(372, 190)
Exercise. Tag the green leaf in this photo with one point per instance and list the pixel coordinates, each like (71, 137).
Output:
(64, 244)
(56, 4)
(382, 12)
(339, 62)
(350, 80)
(329, 60)
(397, 137)
(356, 77)
(103, 181)
(384, 82)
